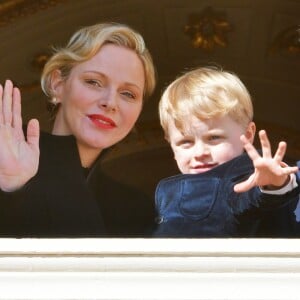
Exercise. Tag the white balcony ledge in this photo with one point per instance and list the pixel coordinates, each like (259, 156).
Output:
(150, 269)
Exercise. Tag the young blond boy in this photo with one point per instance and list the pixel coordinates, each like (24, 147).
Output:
(207, 117)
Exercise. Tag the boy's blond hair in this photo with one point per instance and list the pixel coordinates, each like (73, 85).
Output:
(206, 92)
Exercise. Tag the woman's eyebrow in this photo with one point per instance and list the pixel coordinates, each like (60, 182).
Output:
(127, 83)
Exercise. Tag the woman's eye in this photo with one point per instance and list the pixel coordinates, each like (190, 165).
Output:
(129, 95)
(93, 82)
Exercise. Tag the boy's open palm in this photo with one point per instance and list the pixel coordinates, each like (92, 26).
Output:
(270, 172)
(19, 157)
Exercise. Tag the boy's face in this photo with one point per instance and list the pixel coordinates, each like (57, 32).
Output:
(207, 144)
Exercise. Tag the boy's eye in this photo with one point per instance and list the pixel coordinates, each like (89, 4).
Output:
(214, 137)
(184, 143)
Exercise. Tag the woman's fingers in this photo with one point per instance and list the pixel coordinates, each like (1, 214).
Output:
(7, 102)
(33, 134)
(16, 110)
(10, 107)
(1, 110)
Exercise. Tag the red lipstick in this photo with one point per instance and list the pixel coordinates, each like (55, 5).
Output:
(102, 122)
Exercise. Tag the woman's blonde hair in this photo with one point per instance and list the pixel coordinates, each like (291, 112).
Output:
(205, 92)
(87, 41)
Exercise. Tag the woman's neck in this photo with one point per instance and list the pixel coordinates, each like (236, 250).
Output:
(87, 155)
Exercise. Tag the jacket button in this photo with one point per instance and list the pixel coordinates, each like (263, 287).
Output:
(159, 219)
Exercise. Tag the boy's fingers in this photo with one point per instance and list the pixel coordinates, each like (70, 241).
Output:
(280, 152)
(265, 143)
(290, 170)
(250, 149)
(242, 186)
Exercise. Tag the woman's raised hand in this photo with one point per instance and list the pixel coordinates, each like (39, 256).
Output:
(269, 171)
(19, 156)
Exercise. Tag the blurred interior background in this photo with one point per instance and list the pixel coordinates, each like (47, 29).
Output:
(258, 40)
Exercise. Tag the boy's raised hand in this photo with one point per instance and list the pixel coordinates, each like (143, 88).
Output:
(270, 172)
(19, 157)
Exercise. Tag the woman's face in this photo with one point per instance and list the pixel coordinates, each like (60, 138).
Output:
(101, 99)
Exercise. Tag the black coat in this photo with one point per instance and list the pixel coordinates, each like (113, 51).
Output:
(64, 200)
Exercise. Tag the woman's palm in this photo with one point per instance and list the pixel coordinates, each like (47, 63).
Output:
(19, 156)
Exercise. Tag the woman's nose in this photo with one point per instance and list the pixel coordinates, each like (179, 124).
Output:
(108, 100)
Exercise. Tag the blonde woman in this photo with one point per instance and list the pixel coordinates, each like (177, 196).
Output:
(51, 184)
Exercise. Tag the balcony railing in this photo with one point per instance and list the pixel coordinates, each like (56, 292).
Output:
(149, 269)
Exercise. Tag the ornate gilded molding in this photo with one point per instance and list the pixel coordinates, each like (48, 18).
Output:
(287, 42)
(37, 63)
(208, 29)
(10, 10)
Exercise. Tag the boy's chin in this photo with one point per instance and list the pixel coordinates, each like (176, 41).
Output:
(201, 170)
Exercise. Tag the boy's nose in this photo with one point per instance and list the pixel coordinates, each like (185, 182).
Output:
(201, 149)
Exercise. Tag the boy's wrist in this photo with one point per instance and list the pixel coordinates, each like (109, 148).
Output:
(271, 187)
(290, 184)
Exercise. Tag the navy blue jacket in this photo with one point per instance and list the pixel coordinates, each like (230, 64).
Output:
(205, 205)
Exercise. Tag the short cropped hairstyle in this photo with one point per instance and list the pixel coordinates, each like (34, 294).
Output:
(205, 92)
(86, 42)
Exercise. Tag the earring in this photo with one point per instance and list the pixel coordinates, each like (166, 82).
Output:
(54, 101)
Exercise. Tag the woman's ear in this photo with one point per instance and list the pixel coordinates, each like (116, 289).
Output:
(250, 132)
(56, 85)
